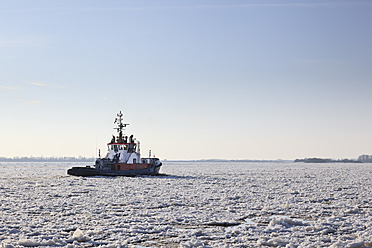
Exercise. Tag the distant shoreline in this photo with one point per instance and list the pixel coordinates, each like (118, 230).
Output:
(326, 160)
(230, 160)
(47, 159)
(85, 159)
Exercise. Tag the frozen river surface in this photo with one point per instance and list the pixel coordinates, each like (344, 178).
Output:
(198, 204)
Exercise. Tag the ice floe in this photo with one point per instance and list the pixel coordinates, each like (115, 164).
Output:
(197, 204)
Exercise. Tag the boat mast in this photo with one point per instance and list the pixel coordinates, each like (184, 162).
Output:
(121, 126)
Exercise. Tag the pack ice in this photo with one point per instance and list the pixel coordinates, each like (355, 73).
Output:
(196, 204)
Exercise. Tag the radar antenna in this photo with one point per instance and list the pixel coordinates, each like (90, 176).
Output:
(121, 126)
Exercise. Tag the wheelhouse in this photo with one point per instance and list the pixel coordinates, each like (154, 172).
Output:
(119, 147)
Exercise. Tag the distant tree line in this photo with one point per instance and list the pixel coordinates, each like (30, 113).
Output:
(327, 160)
(46, 159)
(365, 158)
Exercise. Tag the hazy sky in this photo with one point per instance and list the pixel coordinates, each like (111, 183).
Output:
(195, 79)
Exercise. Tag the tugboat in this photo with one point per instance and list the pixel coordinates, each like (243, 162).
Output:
(123, 158)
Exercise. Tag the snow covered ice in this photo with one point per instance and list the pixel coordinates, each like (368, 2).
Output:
(198, 204)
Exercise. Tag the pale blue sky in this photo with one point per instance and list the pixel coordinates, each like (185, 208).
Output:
(195, 79)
